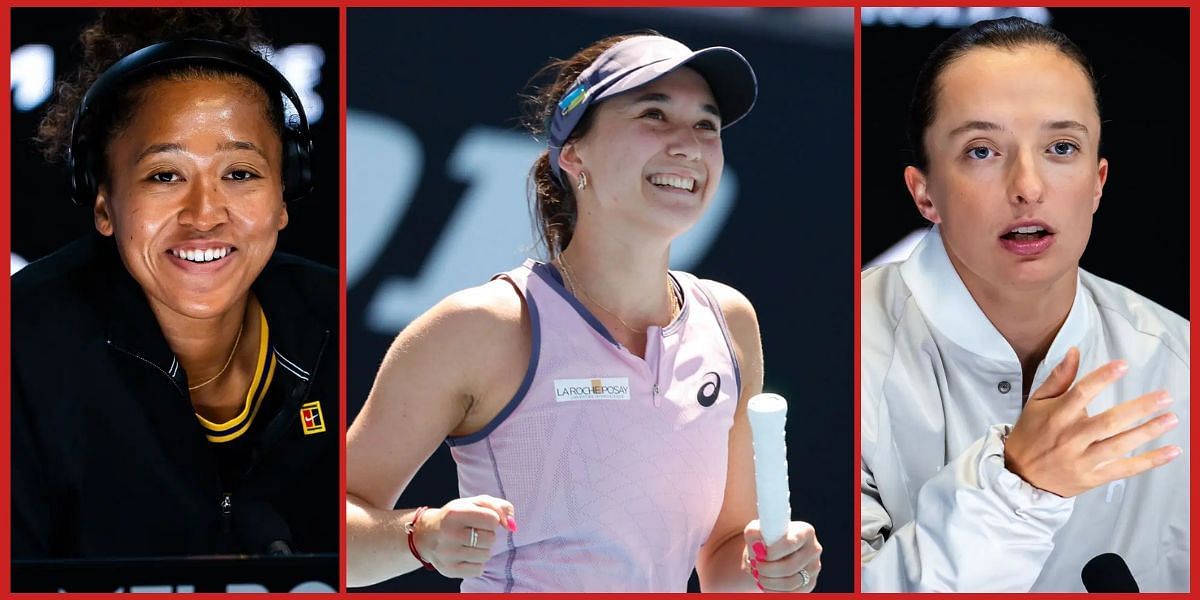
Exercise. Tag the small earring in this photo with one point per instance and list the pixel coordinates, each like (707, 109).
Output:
(582, 181)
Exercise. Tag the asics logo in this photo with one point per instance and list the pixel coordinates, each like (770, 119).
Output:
(707, 396)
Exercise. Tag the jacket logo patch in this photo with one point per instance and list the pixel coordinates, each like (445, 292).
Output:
(311, 418)
(707, 395)
(591, 388)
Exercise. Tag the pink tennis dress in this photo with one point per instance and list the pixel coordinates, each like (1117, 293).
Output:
(615, 464)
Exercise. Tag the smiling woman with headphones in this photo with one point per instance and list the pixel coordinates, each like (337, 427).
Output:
(174, 378)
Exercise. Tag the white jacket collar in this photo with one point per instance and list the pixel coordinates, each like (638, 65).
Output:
(947, 305)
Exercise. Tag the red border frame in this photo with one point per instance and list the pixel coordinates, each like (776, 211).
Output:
(342, 297)
(1194, 15)
(5, 176)
(6, 321)
(1194, 218)
(857, 290)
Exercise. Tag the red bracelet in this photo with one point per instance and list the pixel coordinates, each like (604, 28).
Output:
(411, 529)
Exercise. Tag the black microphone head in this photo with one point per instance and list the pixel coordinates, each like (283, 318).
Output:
(279, 548)
(1108, 573)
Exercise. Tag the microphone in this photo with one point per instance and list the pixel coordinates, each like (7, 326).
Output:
(261, 529)
(1108, 573)
(279, 548)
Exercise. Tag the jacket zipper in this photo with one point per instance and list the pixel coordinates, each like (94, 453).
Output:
(659, 340)
(654, 391)
(225, 504)
(226, 508)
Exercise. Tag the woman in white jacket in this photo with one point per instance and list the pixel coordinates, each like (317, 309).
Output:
(1019, 415)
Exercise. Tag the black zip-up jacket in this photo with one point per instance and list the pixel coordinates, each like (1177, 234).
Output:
(108, 457)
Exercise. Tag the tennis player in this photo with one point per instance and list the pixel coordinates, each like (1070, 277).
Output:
(174, 378)
(597, 399)
(1019, 414)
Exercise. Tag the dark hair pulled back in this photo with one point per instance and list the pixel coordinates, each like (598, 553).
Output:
(1008, 34)
(553, 205)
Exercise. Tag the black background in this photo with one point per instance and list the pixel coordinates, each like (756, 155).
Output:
(788, 244)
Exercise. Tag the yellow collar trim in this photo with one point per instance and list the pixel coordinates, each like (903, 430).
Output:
(257, 404)
(250, 403)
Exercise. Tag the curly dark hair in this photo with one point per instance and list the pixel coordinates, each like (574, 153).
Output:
(553, 204)
(119, 32)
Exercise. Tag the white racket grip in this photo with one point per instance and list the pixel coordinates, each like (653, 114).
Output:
(768, 415)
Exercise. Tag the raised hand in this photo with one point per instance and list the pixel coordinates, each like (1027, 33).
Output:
(1057, 447)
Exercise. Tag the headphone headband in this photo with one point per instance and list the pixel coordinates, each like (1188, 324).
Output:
(297, 141)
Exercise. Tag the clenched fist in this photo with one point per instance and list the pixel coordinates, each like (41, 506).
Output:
(443, 535)
(791, 564)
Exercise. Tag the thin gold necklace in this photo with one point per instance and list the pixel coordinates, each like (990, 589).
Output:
(227, 361)
(576, 289)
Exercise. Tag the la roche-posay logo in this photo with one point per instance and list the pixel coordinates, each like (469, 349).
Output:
(591, 388)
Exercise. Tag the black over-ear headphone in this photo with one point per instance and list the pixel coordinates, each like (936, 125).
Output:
(84, 153)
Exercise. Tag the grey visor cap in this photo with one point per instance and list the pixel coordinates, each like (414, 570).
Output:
(640, 60)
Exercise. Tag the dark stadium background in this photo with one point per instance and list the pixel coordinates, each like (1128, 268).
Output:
(787, 243)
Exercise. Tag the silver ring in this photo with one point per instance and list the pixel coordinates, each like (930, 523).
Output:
(805, 578)
(474, 539)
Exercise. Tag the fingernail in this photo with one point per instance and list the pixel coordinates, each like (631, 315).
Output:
(760, 550)
(1164, 401)
(1174, 451)
(760, 587)
(1120, 367)
(1170, 420)
(754, 570)
(511, 523)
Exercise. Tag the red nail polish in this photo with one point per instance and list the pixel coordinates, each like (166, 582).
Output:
(760, 550)
(760, 587)
(755, 572)
(511, 523)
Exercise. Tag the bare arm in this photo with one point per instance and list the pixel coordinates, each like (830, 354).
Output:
(428, 387)
(721, 557)
(734, 558)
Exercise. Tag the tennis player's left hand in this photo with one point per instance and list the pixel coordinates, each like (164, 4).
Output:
(777, 568)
